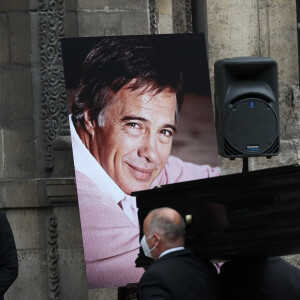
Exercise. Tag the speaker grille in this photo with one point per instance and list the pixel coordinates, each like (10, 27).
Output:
(251, 129)
(262, 97)
(274, 148)
(230, 150)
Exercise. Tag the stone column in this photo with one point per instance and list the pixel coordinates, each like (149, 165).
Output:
(37, 187)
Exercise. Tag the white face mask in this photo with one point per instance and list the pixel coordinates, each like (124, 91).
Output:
(145, 246)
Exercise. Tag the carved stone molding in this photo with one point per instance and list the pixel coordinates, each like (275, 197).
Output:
(52, 257)
(61, 191)
(54, 108)
(182, 16)
(188, 16)
(153, 11)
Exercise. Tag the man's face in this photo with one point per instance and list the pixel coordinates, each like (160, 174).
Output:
(135, 141)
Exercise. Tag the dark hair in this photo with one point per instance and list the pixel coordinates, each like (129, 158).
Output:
(116, 61)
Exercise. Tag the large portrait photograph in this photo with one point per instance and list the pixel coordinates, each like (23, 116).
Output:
(141, 116)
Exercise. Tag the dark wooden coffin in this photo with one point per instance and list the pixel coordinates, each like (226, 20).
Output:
(250, 214)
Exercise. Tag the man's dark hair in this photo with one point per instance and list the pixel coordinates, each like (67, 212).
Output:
(116, 61)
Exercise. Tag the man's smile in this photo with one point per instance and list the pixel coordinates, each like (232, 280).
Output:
(141, 174)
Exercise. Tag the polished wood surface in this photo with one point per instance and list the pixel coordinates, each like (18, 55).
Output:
(251, 214)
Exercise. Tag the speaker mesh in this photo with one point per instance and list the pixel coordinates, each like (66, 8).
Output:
(274, 148)
(251, 127)
(229, 149)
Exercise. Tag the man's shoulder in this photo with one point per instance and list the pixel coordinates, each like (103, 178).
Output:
(85, 184)
(177, 170)
(3, 219)
(83, 181)
(170, 258)
(182, 258)
(155, 270)
(2, 215)
(91, 195)
(160, 270)
(191, 169)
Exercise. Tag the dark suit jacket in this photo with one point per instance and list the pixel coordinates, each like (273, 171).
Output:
(179, 275)
(8, 256)
(260, 279)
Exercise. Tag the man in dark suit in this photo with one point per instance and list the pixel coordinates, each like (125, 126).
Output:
(8, 256)
(269, 278)
(176, 273)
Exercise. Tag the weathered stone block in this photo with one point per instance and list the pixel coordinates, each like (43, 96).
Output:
(99, 23)
(2, 199)
(103, 294)
(230, 166)
(113, 4)
(285, 109)
(18, 148)
(2, 156)
(292, 115)
(63, 163)
(61, 191)
(19, 193)
(293, 259)
(135, 22)
(72, 270)
(296, 144)
(113, 23)
(13, 5)
(20, 43)
(165, 17)
(68, 226)
(232, 29)
(165, 24)
(31, 282)
(4, 38)
(283, 39)
(180, 16)
(71, 5)
(16, 101)
(267, 28)
(71, 25)
(34, 4)
(35, 46)
(165, 7)
(25, 227)
(288, 156)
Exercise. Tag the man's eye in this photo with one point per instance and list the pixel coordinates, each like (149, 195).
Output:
(133, 125)
(167, 132)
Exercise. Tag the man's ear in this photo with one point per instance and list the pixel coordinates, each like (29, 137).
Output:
(89, 124)
(157, 237)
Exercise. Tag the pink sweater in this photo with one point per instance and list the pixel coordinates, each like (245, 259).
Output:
(110, 239)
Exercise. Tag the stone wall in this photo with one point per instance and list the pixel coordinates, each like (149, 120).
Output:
(261, 28)
(37, 188)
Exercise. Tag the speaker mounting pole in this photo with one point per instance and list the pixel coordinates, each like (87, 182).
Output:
(245, 165)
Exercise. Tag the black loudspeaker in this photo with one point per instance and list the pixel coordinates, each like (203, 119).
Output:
(246, 107)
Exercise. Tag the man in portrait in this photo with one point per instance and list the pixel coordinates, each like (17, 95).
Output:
(124, 118)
